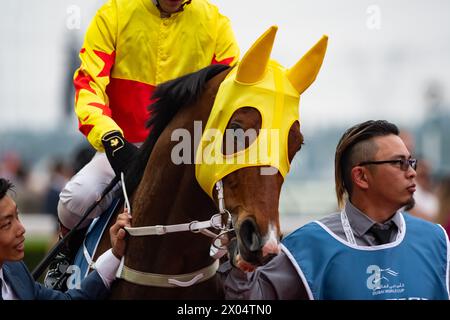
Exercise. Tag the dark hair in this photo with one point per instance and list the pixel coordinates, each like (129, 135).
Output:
(443, 194)
(356, 146)
(5, 185)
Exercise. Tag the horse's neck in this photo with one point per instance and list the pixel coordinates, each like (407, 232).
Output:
(169, 194)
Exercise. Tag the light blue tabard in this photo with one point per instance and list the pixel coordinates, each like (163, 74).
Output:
(414, 266)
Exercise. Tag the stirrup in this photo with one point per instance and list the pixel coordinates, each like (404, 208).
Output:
(56, 277)
(57, 274)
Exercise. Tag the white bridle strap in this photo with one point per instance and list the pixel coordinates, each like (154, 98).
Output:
(169, 280)
(220, 196)
(194, 226)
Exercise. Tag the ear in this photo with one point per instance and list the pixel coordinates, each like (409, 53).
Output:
(305, 71)
(359, 177)
(254, 63)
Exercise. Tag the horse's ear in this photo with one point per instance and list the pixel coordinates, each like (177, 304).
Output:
(254, 63)
(305, 71)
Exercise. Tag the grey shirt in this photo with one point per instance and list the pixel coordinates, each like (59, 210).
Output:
(278, 279)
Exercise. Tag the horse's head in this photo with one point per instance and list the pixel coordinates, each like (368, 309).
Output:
(252, 135)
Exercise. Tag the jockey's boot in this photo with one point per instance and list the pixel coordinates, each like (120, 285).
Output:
(57, 274)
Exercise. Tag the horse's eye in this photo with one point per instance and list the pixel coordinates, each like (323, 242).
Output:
(235, 126)
(239, 135)
(234, 139)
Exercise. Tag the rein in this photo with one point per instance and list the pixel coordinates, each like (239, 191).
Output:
(181, 280)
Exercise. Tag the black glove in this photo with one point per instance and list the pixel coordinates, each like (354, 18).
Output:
(118, 150)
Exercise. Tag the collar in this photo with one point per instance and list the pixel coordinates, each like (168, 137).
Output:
(2, 281)
(361, 223)
(153, 8)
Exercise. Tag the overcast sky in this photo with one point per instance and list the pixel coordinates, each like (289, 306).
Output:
(381, 54)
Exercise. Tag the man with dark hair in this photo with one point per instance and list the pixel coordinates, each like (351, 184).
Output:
(369, 250)
(16, 282)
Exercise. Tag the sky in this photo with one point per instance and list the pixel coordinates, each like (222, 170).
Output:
(381, 57)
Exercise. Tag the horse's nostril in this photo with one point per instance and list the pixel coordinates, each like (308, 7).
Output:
(249, 234)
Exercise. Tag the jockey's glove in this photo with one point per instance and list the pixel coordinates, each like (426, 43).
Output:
(119, 151)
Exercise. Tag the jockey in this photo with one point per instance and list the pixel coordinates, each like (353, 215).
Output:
(131, 46)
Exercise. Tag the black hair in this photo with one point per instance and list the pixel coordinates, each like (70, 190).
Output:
(345, 156)
(5, 186)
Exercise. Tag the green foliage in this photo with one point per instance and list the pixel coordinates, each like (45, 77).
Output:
(35, 250)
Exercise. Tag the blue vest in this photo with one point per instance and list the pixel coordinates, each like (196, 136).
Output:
(93, 237)
(412, 267)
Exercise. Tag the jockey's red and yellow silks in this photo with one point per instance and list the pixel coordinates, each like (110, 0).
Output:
(129, 49)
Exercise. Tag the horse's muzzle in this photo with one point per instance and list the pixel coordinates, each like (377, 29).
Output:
(251, 245)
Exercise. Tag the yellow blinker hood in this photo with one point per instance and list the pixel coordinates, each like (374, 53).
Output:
(265, 85)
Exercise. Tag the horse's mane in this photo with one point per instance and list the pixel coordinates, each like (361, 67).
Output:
(170, 97)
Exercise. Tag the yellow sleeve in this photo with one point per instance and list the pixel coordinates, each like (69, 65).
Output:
(97, 58)
(227, 49)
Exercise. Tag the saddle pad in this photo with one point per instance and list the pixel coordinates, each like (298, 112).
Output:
(93, 236)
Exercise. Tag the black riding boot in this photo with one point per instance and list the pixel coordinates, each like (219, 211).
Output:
(57, 275)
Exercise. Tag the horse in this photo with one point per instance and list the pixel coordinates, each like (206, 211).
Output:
(212, 184)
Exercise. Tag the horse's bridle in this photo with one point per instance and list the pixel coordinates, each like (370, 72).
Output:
(216, 222)
(195, 226)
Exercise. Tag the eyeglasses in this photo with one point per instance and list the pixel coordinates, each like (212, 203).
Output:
(404, 163)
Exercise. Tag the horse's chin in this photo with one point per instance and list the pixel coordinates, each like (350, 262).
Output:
(246, 266)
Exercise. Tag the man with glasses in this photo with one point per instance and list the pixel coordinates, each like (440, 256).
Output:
(369, 250)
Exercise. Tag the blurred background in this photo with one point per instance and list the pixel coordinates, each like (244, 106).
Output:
(386, 60)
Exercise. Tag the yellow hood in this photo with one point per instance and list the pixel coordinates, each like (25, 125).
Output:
(267, 86)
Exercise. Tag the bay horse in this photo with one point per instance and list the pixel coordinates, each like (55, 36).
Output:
(225, 180)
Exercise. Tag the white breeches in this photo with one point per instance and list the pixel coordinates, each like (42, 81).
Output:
(84, 189)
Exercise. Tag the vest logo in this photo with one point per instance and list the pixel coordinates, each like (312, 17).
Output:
(114, 142)
(383, 281)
